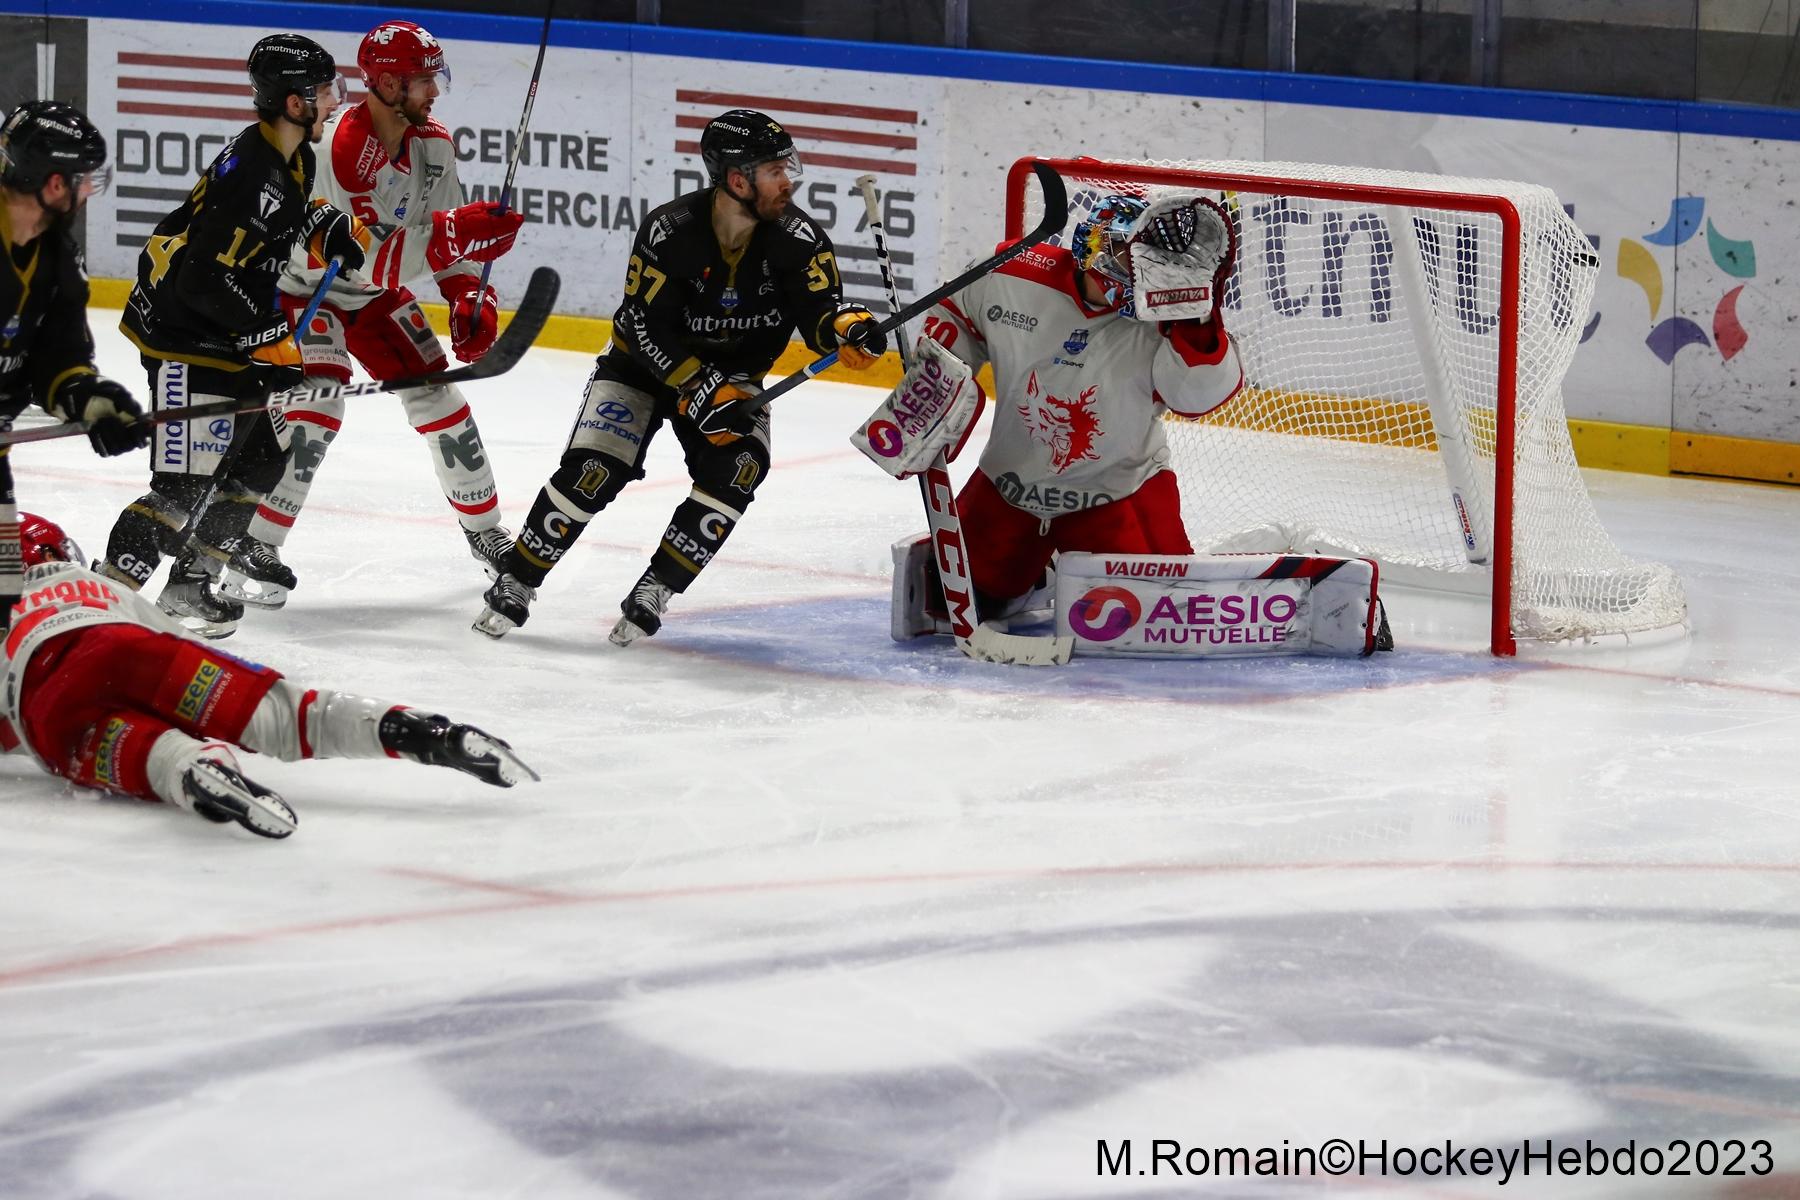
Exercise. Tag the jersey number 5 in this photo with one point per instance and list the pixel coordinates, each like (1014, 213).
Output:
(635, 274)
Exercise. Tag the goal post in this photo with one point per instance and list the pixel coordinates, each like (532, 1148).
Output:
(1404, 338)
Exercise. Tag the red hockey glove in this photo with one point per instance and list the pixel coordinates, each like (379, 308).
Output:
(474, 316)
(479, 232)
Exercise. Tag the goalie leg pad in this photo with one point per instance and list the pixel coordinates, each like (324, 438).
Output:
(1211, 606)
(917, 608)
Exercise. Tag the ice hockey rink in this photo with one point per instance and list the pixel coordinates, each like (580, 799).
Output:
(800, 912)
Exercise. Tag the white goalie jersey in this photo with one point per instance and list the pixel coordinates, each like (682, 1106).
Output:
(1080, 392)
(395, 198)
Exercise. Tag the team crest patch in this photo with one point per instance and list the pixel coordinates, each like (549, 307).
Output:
(1068, 427)
(199, 690)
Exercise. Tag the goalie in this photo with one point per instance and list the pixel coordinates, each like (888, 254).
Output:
(1086, 359)
(1090, 346)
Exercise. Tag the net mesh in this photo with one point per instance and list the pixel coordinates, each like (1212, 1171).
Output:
(1369, 323)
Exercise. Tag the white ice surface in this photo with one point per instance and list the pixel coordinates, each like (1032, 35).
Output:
(797, 912)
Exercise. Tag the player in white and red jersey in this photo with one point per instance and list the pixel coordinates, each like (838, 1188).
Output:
(1077, 459)
(394, 167)
(107, 692)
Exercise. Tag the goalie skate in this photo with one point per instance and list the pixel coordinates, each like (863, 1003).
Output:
(254, 574)
(489, 547)
(215, 790)
(435, 740)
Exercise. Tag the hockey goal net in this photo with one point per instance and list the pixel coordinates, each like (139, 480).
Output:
(1404, 339)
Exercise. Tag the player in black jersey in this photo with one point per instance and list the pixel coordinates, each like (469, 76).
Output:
(717, 282)
(204, 316)
(51, 160)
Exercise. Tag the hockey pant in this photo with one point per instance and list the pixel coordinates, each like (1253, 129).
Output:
(128, 709)
(619, 417)
(1009, 547)
(221, 467)
(390, 337)
(12, 560)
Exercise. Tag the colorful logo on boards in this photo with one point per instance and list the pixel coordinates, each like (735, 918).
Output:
(1673, 334)
(1094, 619)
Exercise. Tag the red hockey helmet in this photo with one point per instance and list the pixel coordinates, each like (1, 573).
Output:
(44, 541)
(401, 48)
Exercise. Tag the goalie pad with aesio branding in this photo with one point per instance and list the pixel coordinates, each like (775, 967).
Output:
(1182, 249)
(1219, 605)
(933, 408)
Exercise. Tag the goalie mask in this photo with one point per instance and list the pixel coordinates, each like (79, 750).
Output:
(1099, 243)
(42, 541)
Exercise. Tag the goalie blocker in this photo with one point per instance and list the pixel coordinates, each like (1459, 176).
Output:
(1169, 606)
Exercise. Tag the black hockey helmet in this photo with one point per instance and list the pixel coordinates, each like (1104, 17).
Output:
(289, 64)
(42, 138)
(742, 140)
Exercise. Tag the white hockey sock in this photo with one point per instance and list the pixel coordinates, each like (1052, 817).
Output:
(313, 425)
(441, 416)
(170, 757)
(293, 722)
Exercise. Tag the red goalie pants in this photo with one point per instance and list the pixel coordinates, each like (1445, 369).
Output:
(1009, 547)
(96, 699)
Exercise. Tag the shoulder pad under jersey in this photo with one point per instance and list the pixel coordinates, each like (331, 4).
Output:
(356, 153)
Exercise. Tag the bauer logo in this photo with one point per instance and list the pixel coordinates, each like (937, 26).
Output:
(1105, 613)
(199, 690)
(885, 440)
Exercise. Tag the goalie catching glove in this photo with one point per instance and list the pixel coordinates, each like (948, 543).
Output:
(479, 232)
(933, 409)
(718, 405)
(114, 420)
(1181, 252)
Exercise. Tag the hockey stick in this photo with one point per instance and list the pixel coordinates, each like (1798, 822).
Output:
(974, 639)
(512, 166)
(528, 321)
(1056, 215)
(318, 297)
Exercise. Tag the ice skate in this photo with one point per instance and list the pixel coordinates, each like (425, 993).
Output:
(215, 790)
(643, 610)
(254, 574)
(508, 605)
(188, 597)
(489, 547)
(435, 740)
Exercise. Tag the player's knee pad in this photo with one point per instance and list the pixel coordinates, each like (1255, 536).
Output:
(586, 481)
(324, 343)
(392, 339)
(730, 473)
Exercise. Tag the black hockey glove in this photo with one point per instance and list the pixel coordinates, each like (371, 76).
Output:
(719, 406)
(329, 233)
(115, 421)
(860, 340)
(273, 355)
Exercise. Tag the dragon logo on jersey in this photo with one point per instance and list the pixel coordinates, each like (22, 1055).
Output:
(1069, 427)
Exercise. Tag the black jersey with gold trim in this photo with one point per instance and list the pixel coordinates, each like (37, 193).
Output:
(208, 274)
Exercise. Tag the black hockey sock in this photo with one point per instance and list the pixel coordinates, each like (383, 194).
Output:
(149, 525)
(543, 540)
(694, 535)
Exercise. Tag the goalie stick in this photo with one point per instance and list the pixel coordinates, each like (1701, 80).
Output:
(1056, 215)
(528, 321)
(974, 639)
